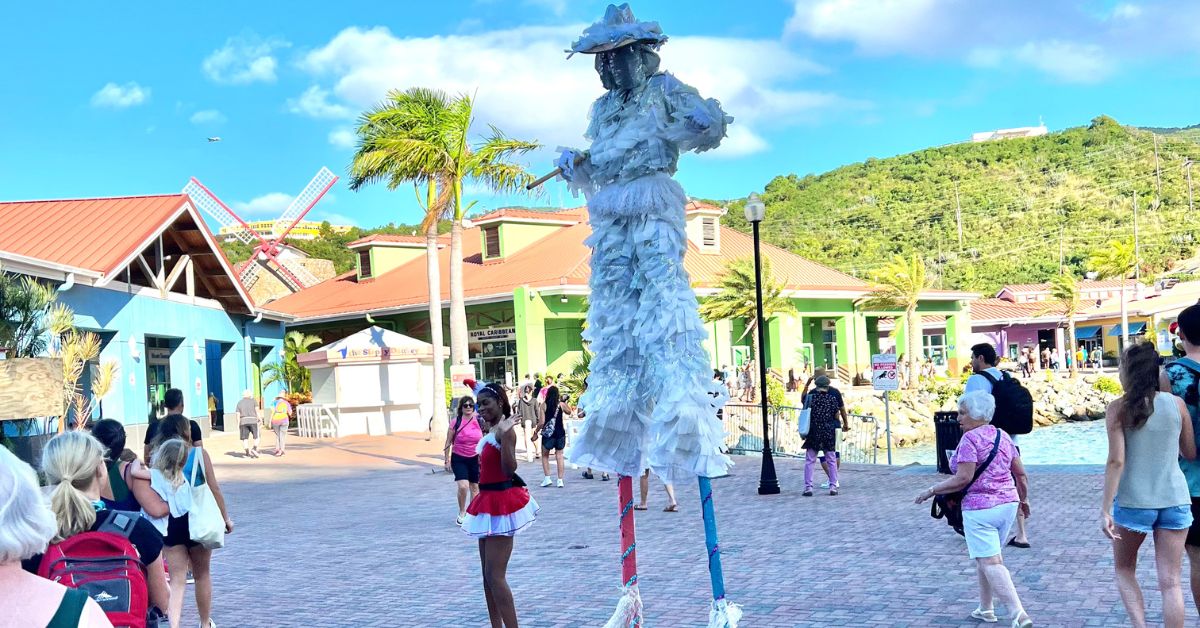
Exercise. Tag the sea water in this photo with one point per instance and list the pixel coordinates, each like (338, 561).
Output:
(1083, 442)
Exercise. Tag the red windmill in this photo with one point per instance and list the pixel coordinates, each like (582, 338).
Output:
(266, 253)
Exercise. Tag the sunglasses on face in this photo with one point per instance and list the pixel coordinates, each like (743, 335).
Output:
(468, 405)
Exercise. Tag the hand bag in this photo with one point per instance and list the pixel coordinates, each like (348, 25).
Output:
(805, 420)
(206, 526)
(949, 506)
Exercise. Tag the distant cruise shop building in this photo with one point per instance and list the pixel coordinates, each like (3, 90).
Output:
(145, 274)
(525, 276)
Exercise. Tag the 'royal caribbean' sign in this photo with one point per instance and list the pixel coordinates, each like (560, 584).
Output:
(493, 333)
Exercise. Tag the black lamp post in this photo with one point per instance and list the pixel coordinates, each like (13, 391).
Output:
(768, 482)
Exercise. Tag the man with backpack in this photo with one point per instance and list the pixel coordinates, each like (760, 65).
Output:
(1182, 378)
(1014, 407)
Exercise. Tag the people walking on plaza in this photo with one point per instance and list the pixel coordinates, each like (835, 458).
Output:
(74, 469)
(26, 527)
(128, 479)
(553, 434)
(461, 438)
(247, 413)
(986, 374)
(173, 404)
(172, 472)
(526, 416)
(672, 503)
(503, 506)
(281, 417)
(1023, 361)
(1055, 359)
(1097, 357)
(1182, 378)
(1081, 357)
(213, 403)
(988, 467)
(827, 407)
(1148, 431)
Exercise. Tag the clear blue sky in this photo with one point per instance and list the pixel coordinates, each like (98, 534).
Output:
(107, 99)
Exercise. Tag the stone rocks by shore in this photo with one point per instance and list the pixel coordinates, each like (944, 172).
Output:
(1055, 400)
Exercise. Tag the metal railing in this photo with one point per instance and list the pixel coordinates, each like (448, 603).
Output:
(743, 424)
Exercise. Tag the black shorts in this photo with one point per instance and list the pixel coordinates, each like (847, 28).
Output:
(178, 533)
(1193, 537)
(465, 468)
(554, 442)
(247, 430)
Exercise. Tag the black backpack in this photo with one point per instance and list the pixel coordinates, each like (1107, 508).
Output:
(1014, 404)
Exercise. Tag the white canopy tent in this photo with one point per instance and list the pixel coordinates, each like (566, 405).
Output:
(375, 381)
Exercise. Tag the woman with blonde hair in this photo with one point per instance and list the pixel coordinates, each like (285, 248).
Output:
(26, 527)
(170, 477)
(74, 467)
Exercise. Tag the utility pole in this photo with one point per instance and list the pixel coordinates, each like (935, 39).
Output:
(1157, 174)
(958, 215)
(1187, 167)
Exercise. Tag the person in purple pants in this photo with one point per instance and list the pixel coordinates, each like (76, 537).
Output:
(827, 406)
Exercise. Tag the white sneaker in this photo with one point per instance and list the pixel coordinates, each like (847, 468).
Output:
(547, 481)
(825, 484)
(988, 616)
(560, 483)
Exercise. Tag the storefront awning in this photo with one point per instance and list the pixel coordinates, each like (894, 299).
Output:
(1086, 332)
(1134, 329)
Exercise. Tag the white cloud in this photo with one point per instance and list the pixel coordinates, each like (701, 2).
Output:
(245, 59)
(271, 204)
(314, 102)
(1066, 61)
(874, 26)
(524, 84)
(343, 138)
(1126, 11)
(121, 96)
(207, 116)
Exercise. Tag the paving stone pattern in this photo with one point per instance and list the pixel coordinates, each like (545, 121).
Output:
(323, 545)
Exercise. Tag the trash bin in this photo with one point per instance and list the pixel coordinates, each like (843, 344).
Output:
(946, 433)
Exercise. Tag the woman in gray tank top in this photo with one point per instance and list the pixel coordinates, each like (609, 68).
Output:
(1144, 489)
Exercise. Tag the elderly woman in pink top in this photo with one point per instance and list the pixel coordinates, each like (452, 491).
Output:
(462, 436)
(988, 467)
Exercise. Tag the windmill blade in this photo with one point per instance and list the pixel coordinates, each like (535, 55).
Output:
(250, 274)
(218, 211)
(299, 271)
(304, 201)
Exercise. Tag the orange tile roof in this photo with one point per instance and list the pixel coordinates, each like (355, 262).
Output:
(94, 234)
(694, 205)
(1085, 285)
(574, 215)
(558, 260)
(1002, 309)
(387, 237)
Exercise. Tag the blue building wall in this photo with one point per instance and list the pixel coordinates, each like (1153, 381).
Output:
(119, 316)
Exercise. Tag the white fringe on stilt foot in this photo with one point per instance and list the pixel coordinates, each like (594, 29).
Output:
(629, 609)
(724, 614)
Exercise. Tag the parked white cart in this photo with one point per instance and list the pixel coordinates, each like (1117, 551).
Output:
(375, 381)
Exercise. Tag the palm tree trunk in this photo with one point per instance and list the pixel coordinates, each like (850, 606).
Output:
(458, 308)
(1072, 344)
(434, 275)
(912, 321)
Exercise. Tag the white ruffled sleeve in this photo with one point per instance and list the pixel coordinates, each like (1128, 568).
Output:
(694, 123)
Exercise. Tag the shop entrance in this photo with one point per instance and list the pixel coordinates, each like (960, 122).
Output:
(493, 353)
(158, 374)
(214, 352)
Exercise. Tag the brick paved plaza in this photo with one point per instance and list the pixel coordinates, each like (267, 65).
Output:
(361, 533)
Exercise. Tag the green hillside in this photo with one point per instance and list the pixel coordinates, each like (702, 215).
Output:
(1020, 201)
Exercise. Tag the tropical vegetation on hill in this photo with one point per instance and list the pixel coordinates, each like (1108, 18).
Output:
(1025, 205)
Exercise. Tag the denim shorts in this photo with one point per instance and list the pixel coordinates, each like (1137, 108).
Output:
(1147, 520)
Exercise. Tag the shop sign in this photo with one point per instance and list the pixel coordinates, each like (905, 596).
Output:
(493, 333)
(158, 356)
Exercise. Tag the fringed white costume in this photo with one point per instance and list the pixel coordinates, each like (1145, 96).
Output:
(650, 392)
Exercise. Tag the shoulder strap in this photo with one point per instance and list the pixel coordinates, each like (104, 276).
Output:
(119, 522)
(70, 609)
(979, 471)
(988, 376)
(196, 462)
(1188, 364)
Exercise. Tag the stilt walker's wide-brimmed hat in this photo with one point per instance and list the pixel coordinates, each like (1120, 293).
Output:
(618, 28)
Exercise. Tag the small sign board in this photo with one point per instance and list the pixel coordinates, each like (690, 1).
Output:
(884, 375)
(458, 373)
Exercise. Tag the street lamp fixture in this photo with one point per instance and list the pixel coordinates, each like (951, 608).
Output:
(768, 481)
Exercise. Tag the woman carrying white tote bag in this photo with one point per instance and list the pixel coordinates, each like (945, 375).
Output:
(205, 522)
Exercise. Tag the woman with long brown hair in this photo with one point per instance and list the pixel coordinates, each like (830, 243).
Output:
(1145, 491)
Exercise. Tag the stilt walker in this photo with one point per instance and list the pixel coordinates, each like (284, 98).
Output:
(723, 613)
(629, 608)
(650, 399)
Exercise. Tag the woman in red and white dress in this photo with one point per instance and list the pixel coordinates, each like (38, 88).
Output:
(503, 506)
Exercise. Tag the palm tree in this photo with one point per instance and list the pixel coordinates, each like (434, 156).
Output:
(898, 285)
(1116, 261)
(387, 135)
(1064, 289)
(736, 299)
(288, 371)
(429, 142)
(25, 308)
